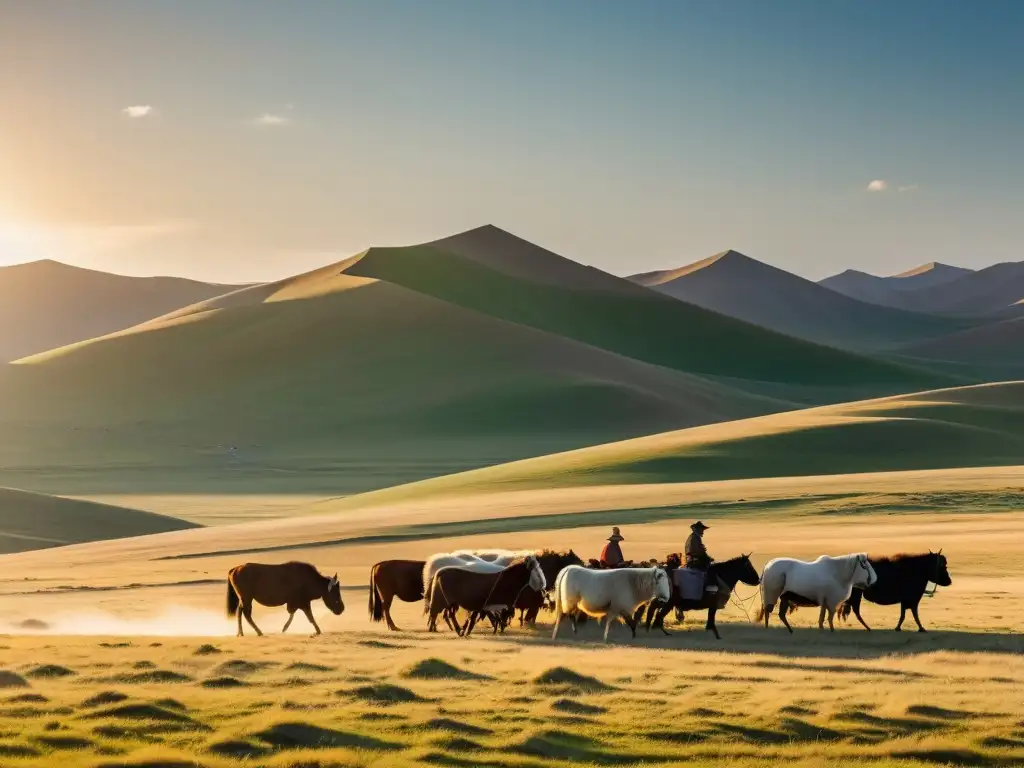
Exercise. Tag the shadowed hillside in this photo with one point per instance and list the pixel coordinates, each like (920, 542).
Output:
(736, 285)
(34, 521)
(997, 346)
(326, 382)
(637, 323)
(46, 304)
(987, 291)
(893, 290)
(966, 427)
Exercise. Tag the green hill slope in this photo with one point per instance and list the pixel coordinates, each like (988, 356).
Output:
(34, 521)
(964, 427)
(641, 324)
(325, 383)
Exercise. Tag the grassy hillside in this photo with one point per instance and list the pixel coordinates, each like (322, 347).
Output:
(741, 287)
(646, 326)
(34, 521)
(966, 427)
(325, 383)
(45, 304)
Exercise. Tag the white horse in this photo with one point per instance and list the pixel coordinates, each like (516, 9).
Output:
(614, 593)
(827, 582)
(493, 555)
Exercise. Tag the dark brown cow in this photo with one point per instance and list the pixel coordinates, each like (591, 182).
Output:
(390, 579)
(292, 584)
(480, 593)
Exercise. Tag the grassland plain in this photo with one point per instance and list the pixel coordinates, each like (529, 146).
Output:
(159, 679)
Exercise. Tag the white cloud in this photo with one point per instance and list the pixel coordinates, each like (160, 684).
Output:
(878, 185)
(138, 110)
(908, 187)
(268, 118)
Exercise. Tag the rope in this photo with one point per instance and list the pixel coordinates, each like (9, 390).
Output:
(742, 604)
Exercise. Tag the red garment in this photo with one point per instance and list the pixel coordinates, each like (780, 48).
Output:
(611, 554)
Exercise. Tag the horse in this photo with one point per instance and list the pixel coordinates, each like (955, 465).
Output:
(436, 562)
(292, 584)
(552, 563)
(481, 592)
(611, 593)
(390, 579)
(727, 572)
(902, 579)
(826, 582)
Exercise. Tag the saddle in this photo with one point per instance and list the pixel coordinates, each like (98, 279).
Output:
(692, 583)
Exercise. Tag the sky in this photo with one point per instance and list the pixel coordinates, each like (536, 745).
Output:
(250, 140)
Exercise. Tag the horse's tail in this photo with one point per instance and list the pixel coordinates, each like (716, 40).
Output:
(760, 591)
(844, 610)
(375, 606)
(427, 587)
(232, 604)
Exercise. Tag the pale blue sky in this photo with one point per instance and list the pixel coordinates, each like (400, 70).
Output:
(628, 136)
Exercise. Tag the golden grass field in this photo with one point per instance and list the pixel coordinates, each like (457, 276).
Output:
(137, 665)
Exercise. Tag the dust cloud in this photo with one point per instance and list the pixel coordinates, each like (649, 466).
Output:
(172, 621)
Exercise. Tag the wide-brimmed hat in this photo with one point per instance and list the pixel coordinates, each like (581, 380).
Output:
(616, 536)
(699, 526)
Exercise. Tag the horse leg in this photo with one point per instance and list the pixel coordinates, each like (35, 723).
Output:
(783, 607)
(711, 622)
(821, 617)
(247, 612)
(831, 616)
(631, 622)
(385, 603)
(471, 623)
(309, 615)
(659, 619)
(856, 612)
(607, 625)
(238, 615)
(291, 615)
(913, 610)
(903, 615)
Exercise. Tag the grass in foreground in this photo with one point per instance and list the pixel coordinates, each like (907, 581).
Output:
(358, 700)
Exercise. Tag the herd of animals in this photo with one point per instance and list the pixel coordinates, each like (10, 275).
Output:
(494, 584)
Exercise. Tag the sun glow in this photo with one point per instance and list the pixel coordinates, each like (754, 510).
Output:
(21, 242)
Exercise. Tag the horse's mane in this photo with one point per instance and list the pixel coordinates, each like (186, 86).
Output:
(901, 557)
(309, 567)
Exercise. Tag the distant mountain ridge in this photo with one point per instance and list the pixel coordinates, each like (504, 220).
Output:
(889, 291)
(739, 286)
(48, 304)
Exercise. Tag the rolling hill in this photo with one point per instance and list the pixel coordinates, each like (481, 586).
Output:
(635, 322)
(997, 346)
(741, 287)
(46, 304)
(978, 426)
(326, 382)
(395, 365)
(31, 521)
(891, 291)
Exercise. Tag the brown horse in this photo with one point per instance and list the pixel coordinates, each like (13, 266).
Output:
(292, 584)
(390, 579)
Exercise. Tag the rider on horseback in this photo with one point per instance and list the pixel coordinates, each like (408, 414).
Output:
(611, 555)
(696, 553)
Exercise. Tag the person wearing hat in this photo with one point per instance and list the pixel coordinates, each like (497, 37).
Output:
(611, 555)
(696, 553)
